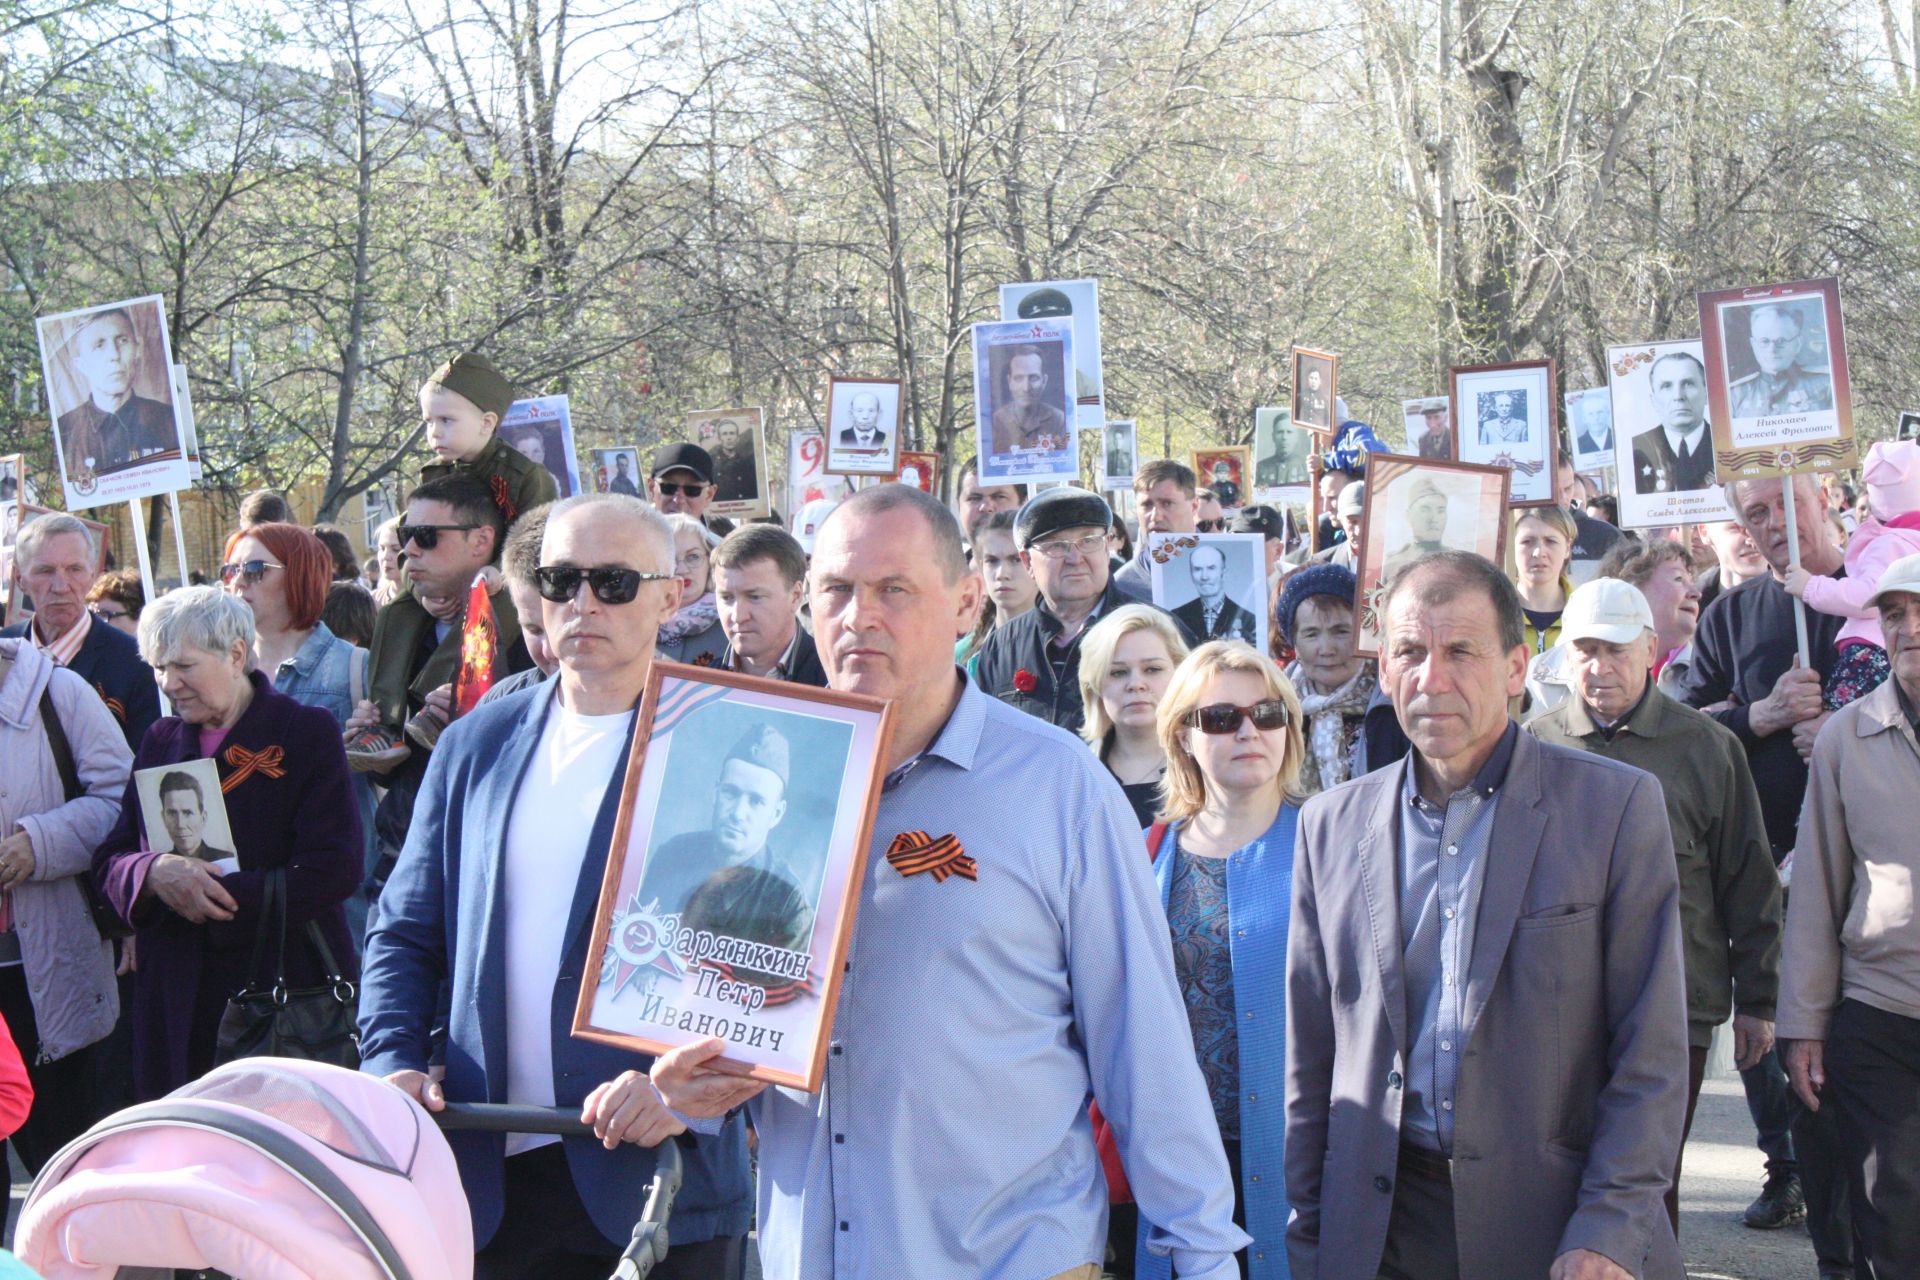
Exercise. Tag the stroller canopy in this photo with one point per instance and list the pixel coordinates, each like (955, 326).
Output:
(265, 1169)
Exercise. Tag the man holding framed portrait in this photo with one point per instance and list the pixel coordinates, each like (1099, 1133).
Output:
(1075, 984)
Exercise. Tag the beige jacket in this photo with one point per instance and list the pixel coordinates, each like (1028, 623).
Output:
(1852, 931)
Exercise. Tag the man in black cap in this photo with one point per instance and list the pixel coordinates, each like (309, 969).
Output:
(1033, 662)
(681, 482)
(1270, 525)
(749, 803)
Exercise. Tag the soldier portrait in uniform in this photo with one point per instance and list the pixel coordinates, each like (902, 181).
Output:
(1782, 368)
(541, 429)
(733, 438)
(1415, 507)
(1224, 470)
(1280, 449)
(863, 426)
(1024, 407)
(110, 387)
(1504, 416)
(1428, 432)
(1779, 390)
(1121, 459)
(619, 471)
(745, 818)
(182, 811)
(1213, 583)
(1314, 392)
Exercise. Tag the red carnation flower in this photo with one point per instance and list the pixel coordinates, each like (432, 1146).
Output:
(1025, 681)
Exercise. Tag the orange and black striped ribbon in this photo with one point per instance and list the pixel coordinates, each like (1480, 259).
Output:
(246, 763)
(915, 851)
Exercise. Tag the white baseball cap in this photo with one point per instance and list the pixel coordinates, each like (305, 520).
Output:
(1902, 575)
(806, 525)
(1607, 609)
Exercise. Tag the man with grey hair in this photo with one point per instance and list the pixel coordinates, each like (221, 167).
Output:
(54, 563)
(1730, 908)
(493, 897)
(1486, 1054)
(957, 1065)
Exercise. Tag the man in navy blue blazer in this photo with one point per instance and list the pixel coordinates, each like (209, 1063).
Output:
(493, 896)
(53, 563)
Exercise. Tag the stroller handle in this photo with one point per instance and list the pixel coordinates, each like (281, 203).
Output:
(510, 1117)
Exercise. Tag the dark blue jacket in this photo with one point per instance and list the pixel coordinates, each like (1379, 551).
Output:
(109, 660)
(440, 921)
(1024, 645)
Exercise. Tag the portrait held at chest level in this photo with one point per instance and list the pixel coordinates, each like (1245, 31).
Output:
(1778, 389)
(1214, 584)
(1280, 451)
(1315, 374)
(1224, 471)
(109, 376)
(863, 427)
(1428, 426)
(1413, 508)
(736, 863)
(1078, 302)
(1505, 418)
(736, 441)
(541, 429)
(1024, 411)
(1662, 442)
(183, 811)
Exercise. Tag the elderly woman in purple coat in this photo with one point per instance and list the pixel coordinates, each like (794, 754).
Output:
(289, 800)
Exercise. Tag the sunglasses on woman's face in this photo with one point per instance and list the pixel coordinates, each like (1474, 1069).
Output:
(248, 571)
(1224, 717)
(671, 488)
(427, 536)
(560, 583)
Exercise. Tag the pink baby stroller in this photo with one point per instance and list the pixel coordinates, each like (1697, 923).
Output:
(273, 1169)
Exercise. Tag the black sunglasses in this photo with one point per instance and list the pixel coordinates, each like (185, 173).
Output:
(1208, 526)
(1224, 717)
(560, 583)
(670, 488)
(427, 536)
(248, 571)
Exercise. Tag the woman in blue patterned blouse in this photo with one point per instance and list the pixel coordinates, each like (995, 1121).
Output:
(1230, 723)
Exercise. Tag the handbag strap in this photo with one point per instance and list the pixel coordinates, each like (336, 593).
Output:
(273, 912)
(57, 744)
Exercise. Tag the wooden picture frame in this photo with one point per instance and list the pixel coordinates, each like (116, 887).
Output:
(1796, 418)
(739, 478)
(1480, 528)
(660, 971)
(1312, 410)
(1238, 459)
(1524, 437)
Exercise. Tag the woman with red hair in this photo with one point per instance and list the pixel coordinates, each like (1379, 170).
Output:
(283, 571)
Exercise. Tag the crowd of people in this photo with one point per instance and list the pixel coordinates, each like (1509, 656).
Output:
(1281, 958)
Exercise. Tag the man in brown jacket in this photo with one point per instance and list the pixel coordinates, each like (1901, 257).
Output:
(1850, 997)
(1486, 1009)
(1729, 891)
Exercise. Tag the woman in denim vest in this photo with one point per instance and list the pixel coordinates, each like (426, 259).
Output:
(282, 571)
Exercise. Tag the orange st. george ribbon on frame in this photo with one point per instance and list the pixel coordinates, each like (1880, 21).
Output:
(915, 851)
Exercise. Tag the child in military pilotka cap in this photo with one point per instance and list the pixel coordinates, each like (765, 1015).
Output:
(462, 405)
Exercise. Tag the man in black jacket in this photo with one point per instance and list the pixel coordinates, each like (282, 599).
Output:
(54, 564)
(1033, 662)
(759, 572)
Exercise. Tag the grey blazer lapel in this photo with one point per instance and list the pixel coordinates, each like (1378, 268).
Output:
(1378, 855)
(1512, 847)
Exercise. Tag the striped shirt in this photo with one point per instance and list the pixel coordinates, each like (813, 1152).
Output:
(61, 651)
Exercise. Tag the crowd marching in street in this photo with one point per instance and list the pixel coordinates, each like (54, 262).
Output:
(1275, 957)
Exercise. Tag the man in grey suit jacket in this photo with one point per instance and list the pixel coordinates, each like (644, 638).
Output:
(1487, 1024)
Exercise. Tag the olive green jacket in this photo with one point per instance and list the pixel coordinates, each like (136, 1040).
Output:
(398, 682)
(517, 483)
(1730, 903)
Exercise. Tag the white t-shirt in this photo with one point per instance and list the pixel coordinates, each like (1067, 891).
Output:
(547, 837)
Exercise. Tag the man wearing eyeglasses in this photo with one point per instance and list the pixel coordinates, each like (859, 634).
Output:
(1777, 334)
(54, 561)
(1486, 1003)
(492, 900)
(1033, 662)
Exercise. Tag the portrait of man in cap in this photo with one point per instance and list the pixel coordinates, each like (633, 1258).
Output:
(105, 424)
(1429, 434)
(739, 867)
(1427, 524)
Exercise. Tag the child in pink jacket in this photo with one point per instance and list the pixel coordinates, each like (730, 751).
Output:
(1892, 530)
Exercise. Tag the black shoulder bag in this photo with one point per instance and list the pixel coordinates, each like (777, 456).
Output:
(105, 918)
(271, 1020)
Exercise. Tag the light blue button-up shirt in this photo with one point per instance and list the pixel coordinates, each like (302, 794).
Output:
(976, 1020)
(1442, 857)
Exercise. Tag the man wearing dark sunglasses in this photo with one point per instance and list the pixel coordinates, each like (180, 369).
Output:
(516, 815)
(449, 532)
(680, 481)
